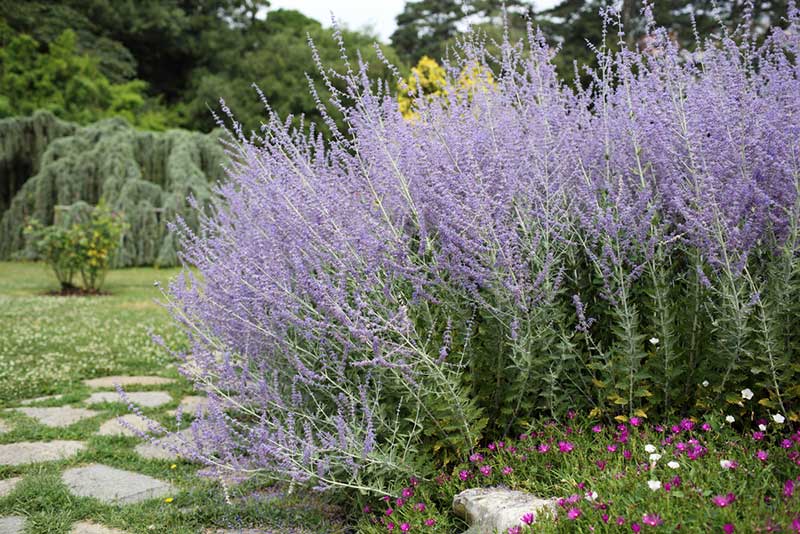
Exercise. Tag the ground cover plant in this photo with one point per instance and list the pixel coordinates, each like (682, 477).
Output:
(48, 345)
(368, 309)
(714, 475)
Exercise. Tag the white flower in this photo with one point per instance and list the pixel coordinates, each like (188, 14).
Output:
(705, 383)
(762, 428)
(654, 340)
(725, 464)
(649, 448)
(591, 496)
(747, 394)
(654, 484)
(729, 418)
(655, 457)
(673, 464)
(778, 418)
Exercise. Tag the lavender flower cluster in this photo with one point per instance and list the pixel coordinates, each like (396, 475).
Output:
(360, 305)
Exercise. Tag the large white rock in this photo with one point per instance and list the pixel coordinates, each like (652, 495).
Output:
(489, 510)
(114, 381)
(148, 399)
(59, 417)
(28, 452)
(111, 485)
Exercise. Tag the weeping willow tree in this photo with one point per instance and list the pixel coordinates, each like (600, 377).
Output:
(147, 176)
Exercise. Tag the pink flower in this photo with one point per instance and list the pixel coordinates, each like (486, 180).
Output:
(367, 509)
(389, 526)
(601, 464)
(604, 517)
(762, 455)
(727, 528)
(573, 513)
(786, 444)
(597, 429)
(626, 454)
(636, 421)
(620, 520)
(788, 489)
(611, 448)
(565, 446)
(405, 527)
(486, 470)
(514, 530)
(758, 436)
(420, 507)
(706, 427)
(413, 481)
(652, 520)
(476, 458)
(464, 475)
(389, 511)
(492, 447)
(571, 414)
(544, 447)
(636, 527)
(723, 500)
(508, 470)
(527, 518)
(430, 522)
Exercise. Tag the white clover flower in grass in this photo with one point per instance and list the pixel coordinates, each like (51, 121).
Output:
(654, 340)
(673, 464)
(729, 418)
(778, 418)
(725, 464)
(762, 428)
(649, 448)
(654, 485)
(655, 457)
(591, 496)
(705, 383)
(747, 394)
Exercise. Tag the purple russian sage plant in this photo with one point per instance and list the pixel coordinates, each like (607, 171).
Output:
(361, 307)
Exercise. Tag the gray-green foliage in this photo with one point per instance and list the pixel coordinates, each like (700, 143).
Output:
(148, 176)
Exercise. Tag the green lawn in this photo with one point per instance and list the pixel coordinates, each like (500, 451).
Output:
(49, 345)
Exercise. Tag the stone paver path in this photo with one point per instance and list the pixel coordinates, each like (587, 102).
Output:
(113, 381)
(111, 485)
(191, 404)
(7, 485)
(26, 402)
(157, 451)
(4, 427)
(60, 417)
(12, 524)
(148, 399)
(113, 427)
(87, 527)
(27, 452)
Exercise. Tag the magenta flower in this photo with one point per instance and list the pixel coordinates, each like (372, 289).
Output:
(762, 455)
(570, 414)
(565, 446)
(476, 458)
(604, 517)
(543, 448)
(652, 520)
(486, 470)
(611, 448)
(527, 518)
(514, 530)
(627, 454)
(601, 464)
(464, 475)
(727, 528)
(636, 421)
(788, 489)
(620, 520)
(758, 435)
(389, 511)
(389, 526)
(597, 429)
(405, 527)
(507, 470)
(636, 527)
(723, 500)
(706, 427)
(786, 444)
(430, 522)
(420, 507)
(573, 513)
(413, 481)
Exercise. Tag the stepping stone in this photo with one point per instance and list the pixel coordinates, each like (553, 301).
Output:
(12, 524)
(114, 381)
(28, 452)
(87, 527)
(26, 402)
(4, 427)
(59, 417)
(148, 399)
(156, 451)
(114, 428)
(191, 404)
(111, 485)
(489, 510)
(7, 485)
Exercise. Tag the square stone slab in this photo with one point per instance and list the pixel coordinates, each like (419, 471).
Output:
(4, 427)
(28, 452)
(59, 417)
(148, 399)
(114, 381)
(157, 451)
(111, 485)
(87, 527)
(26, 402)
(12, 524)
(191, 405)
(113, 427)
(7, 485)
